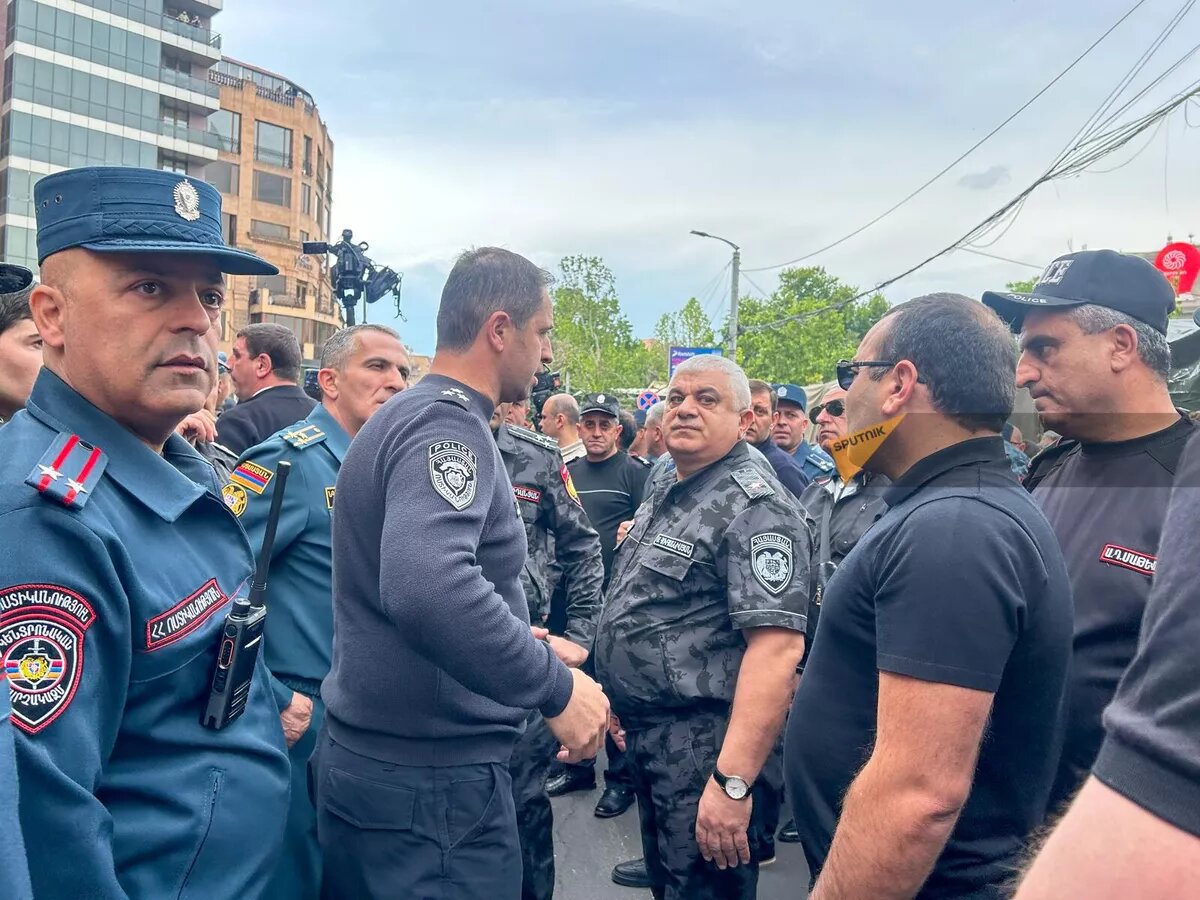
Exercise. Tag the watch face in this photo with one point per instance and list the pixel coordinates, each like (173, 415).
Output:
(736, 787)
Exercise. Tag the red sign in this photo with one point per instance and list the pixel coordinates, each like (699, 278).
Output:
(1180, 262)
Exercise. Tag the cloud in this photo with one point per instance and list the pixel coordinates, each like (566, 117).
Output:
(987, 179)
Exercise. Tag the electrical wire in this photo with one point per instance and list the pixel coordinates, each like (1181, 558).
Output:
(709, 303)
(755, 285)
(964, 155)
(1015, 262)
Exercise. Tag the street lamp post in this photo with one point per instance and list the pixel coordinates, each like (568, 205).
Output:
(731, 351)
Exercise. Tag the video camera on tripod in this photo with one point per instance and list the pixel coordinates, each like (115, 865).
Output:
(355, 274)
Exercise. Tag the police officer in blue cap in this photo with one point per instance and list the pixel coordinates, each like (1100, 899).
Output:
(361, 369)
(122, 560)
(790, 429)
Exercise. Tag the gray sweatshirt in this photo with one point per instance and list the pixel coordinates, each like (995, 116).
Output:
(433, 660)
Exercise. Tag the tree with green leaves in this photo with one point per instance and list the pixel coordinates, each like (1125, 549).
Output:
(804, 351)
(593, 341)
(1021, 287)
(689, 327)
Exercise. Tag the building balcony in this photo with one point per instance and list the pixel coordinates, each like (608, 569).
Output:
(200, 145)
(203, 8)
(188, 83)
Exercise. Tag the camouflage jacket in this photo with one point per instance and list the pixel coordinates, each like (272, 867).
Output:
(724, 550)
(562, 543)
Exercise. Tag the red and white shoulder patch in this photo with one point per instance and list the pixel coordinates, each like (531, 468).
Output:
(1134, 560)
(42, 627)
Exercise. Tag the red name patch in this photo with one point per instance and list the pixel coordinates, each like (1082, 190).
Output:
(527, 493)
(185, 616)
(1116, 555)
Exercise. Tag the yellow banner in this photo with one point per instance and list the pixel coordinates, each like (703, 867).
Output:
(851, 453)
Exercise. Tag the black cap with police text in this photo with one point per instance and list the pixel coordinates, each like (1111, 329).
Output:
(792, 393)
(1127, 284)
(118, 209)
(605, 403)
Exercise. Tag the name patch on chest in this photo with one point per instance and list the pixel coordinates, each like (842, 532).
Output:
(42, 629)
(528, 494)
(1116, 555)
(185, 616)
(675, 545)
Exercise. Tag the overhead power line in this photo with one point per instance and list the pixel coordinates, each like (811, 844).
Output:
(1015, 262)
(962, 156)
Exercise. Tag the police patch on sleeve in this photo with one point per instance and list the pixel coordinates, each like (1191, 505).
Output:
(453, 473)
(771, 560)
(235, 498)
(41, 648)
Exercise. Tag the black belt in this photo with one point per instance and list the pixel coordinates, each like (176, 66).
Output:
(309, 687)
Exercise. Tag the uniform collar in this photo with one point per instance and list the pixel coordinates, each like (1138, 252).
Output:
(167, 484)
(289, 389)
(336, 438)
(739, 455)
(970, 452)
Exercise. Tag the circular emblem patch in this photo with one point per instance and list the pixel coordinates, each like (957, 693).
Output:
(452, 472)
(235, 499)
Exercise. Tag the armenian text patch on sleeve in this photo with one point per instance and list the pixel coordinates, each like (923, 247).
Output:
(42, 627)
(772, 561)
(68, 471)
(252, 477)
(453, 472)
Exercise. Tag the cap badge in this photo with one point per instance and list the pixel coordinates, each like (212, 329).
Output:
(782, 392)
(187, 201)
(600, 398)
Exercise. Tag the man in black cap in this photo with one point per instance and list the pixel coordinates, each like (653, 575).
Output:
(114, 596)
(1095, 358)
(610, 486)
(20, 343)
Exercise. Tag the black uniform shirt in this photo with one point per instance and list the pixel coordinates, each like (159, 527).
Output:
(256, 418)
(961, 582)
(1106, 503)
(611, 491)
(1152, 752)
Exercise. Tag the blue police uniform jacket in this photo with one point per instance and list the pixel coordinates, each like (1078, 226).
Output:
(116, 572)
(299, 630)
(813, 461)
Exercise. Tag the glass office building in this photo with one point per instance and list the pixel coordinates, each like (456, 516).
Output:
(101, 82)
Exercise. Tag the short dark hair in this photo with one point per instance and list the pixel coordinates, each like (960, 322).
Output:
(14, 307)
(344, 342)
(757, 386)
(963, 350)
(484, 281)
(629, 429)
(279, 343)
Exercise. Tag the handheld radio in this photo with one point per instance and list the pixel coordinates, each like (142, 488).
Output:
(242, 635)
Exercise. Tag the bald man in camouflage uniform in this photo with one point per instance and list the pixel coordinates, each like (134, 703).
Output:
(562, 545)
(708, 595)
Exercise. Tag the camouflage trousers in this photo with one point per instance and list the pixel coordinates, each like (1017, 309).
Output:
(529, 765)
(670, 763)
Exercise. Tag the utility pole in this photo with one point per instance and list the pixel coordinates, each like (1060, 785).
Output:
(731, 343)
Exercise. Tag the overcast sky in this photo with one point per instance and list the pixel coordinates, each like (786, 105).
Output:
(613, 127)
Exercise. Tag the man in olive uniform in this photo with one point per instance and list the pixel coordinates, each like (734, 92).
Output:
(361, 369)
(700, 635)
(562, 545)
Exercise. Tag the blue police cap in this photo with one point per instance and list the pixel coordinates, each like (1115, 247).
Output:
(792, 393)
(118, 209)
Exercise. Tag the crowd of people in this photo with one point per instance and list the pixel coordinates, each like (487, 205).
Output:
(960, 668)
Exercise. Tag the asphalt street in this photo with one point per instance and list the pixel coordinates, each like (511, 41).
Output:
(586, 849)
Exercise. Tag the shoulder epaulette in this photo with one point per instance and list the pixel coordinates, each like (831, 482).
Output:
(640, 460)
(307, 436)
(820, 460)
(751, 481)
(454, 395)
(533, 437)
(69, 471)
(1047, 461)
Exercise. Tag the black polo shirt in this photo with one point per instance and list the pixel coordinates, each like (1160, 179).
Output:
(610, 491)
(961, 582)
(1152, 751)
(1106, 503)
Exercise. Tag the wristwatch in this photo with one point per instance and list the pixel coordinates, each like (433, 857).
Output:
(735, 786)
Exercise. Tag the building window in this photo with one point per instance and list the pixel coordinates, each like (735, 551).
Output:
(224, 176)
(301, 294)
(308, 167)
(169, 162)
(276, 284)
(303, 236)
(270, 188)
(320, 216)
(229, 229)
(227, 126)
(273, 144)
(269, 230)
(175, 115)
(306, 199)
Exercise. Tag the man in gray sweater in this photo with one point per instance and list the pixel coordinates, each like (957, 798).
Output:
(435, 665)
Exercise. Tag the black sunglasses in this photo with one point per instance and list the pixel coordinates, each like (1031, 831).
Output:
(847, 370)
(837, 409)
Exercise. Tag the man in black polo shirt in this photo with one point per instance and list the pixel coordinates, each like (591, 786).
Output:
(923, 738)
(1143, 799)
(610, 486)
(1095, 359)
